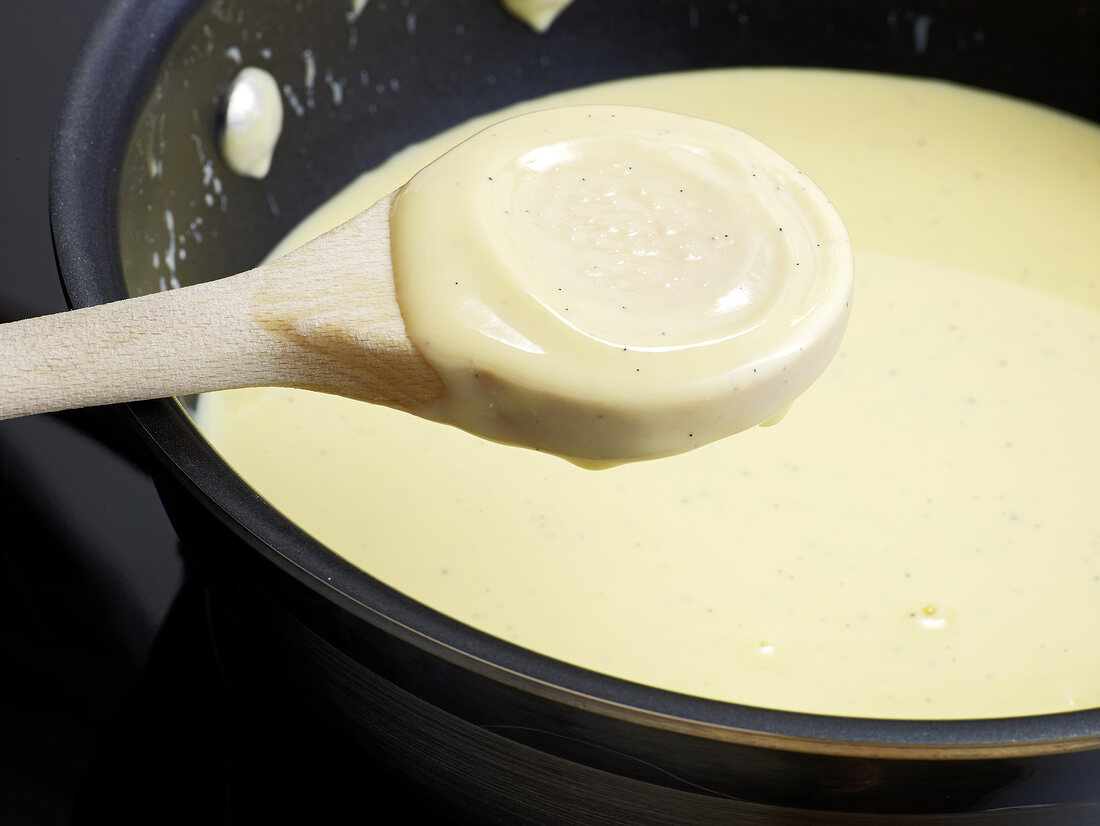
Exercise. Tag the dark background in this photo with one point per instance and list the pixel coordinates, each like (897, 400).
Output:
(88, 560)
(90, 575)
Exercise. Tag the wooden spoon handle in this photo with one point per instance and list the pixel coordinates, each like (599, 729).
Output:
(323, 317)
(171, 343)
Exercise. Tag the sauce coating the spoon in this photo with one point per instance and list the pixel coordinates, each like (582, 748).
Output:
(612, 283)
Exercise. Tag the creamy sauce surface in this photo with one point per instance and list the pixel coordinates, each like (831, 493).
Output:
(918, 538)
(613, 283)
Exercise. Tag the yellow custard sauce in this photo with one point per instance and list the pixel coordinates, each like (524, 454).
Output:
(918, 538)
(614, 283)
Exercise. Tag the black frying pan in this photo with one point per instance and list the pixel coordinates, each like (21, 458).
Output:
(502, 735)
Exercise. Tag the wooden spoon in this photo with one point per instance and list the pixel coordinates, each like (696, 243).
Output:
(323, 317)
